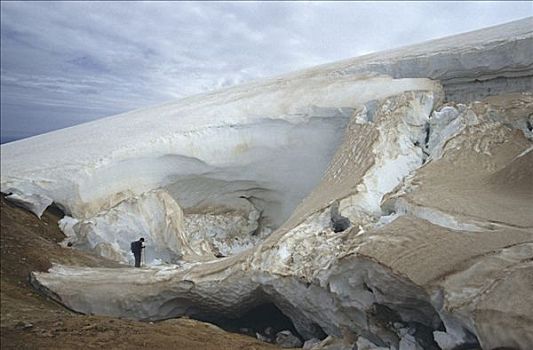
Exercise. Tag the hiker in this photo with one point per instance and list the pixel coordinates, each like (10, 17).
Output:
(136, 249)
(339, 223)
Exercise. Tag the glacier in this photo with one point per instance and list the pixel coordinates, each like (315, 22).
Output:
(425, 149)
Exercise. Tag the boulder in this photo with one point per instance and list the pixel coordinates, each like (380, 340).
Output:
(311, 344)
(286, 339)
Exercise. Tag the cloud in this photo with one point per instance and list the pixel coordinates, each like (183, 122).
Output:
(69, 62)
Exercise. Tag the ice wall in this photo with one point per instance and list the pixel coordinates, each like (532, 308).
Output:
(449, 270)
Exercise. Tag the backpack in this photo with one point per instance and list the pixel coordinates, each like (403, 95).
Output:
(132, 246)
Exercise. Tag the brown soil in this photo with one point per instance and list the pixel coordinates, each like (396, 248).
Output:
(32, 321)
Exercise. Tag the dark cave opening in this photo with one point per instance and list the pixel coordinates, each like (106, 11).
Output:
(265, 319)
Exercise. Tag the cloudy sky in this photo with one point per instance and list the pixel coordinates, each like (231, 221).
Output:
(64, 63)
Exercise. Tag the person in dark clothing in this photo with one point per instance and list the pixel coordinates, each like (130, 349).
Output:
(136, 249)
(339, 223)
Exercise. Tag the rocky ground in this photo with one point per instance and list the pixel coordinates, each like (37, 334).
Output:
(32, 321)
